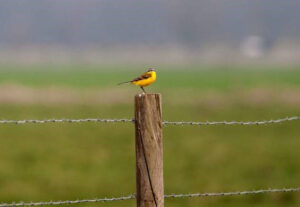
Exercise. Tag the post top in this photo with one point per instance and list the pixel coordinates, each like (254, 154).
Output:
(147, 95)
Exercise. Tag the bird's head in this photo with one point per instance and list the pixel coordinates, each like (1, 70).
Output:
(151, 69)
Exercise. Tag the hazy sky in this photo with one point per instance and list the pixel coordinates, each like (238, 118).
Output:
(191, 23)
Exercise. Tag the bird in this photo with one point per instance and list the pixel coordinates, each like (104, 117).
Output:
(143, 80)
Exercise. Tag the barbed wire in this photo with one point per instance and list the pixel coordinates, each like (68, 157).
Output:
(133, 196)
(95, 200)
(284, 190)
(44, 121)
(264, 122)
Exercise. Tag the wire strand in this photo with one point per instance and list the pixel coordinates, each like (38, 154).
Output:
(180, 123)
(133, 196)
(44, 121)
(264, 122)
(235, 193)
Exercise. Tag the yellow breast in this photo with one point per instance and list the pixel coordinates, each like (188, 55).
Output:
(146, 82)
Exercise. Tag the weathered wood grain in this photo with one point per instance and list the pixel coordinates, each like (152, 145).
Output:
(148, 128)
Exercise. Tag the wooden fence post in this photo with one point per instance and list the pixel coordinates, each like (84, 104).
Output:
(149, 151)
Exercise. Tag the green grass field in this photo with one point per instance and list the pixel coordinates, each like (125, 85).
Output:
(88, 160)
(199, 77)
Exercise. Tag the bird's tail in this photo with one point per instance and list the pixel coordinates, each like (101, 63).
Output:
(124, 82)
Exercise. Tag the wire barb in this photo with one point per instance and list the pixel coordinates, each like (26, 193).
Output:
(180, 123)
(133, 196)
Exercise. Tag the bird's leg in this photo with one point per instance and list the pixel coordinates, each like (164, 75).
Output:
(143, 89)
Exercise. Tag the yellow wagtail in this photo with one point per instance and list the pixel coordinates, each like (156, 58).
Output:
(145, 79)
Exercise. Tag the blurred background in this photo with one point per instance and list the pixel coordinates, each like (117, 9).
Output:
(216, 60)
